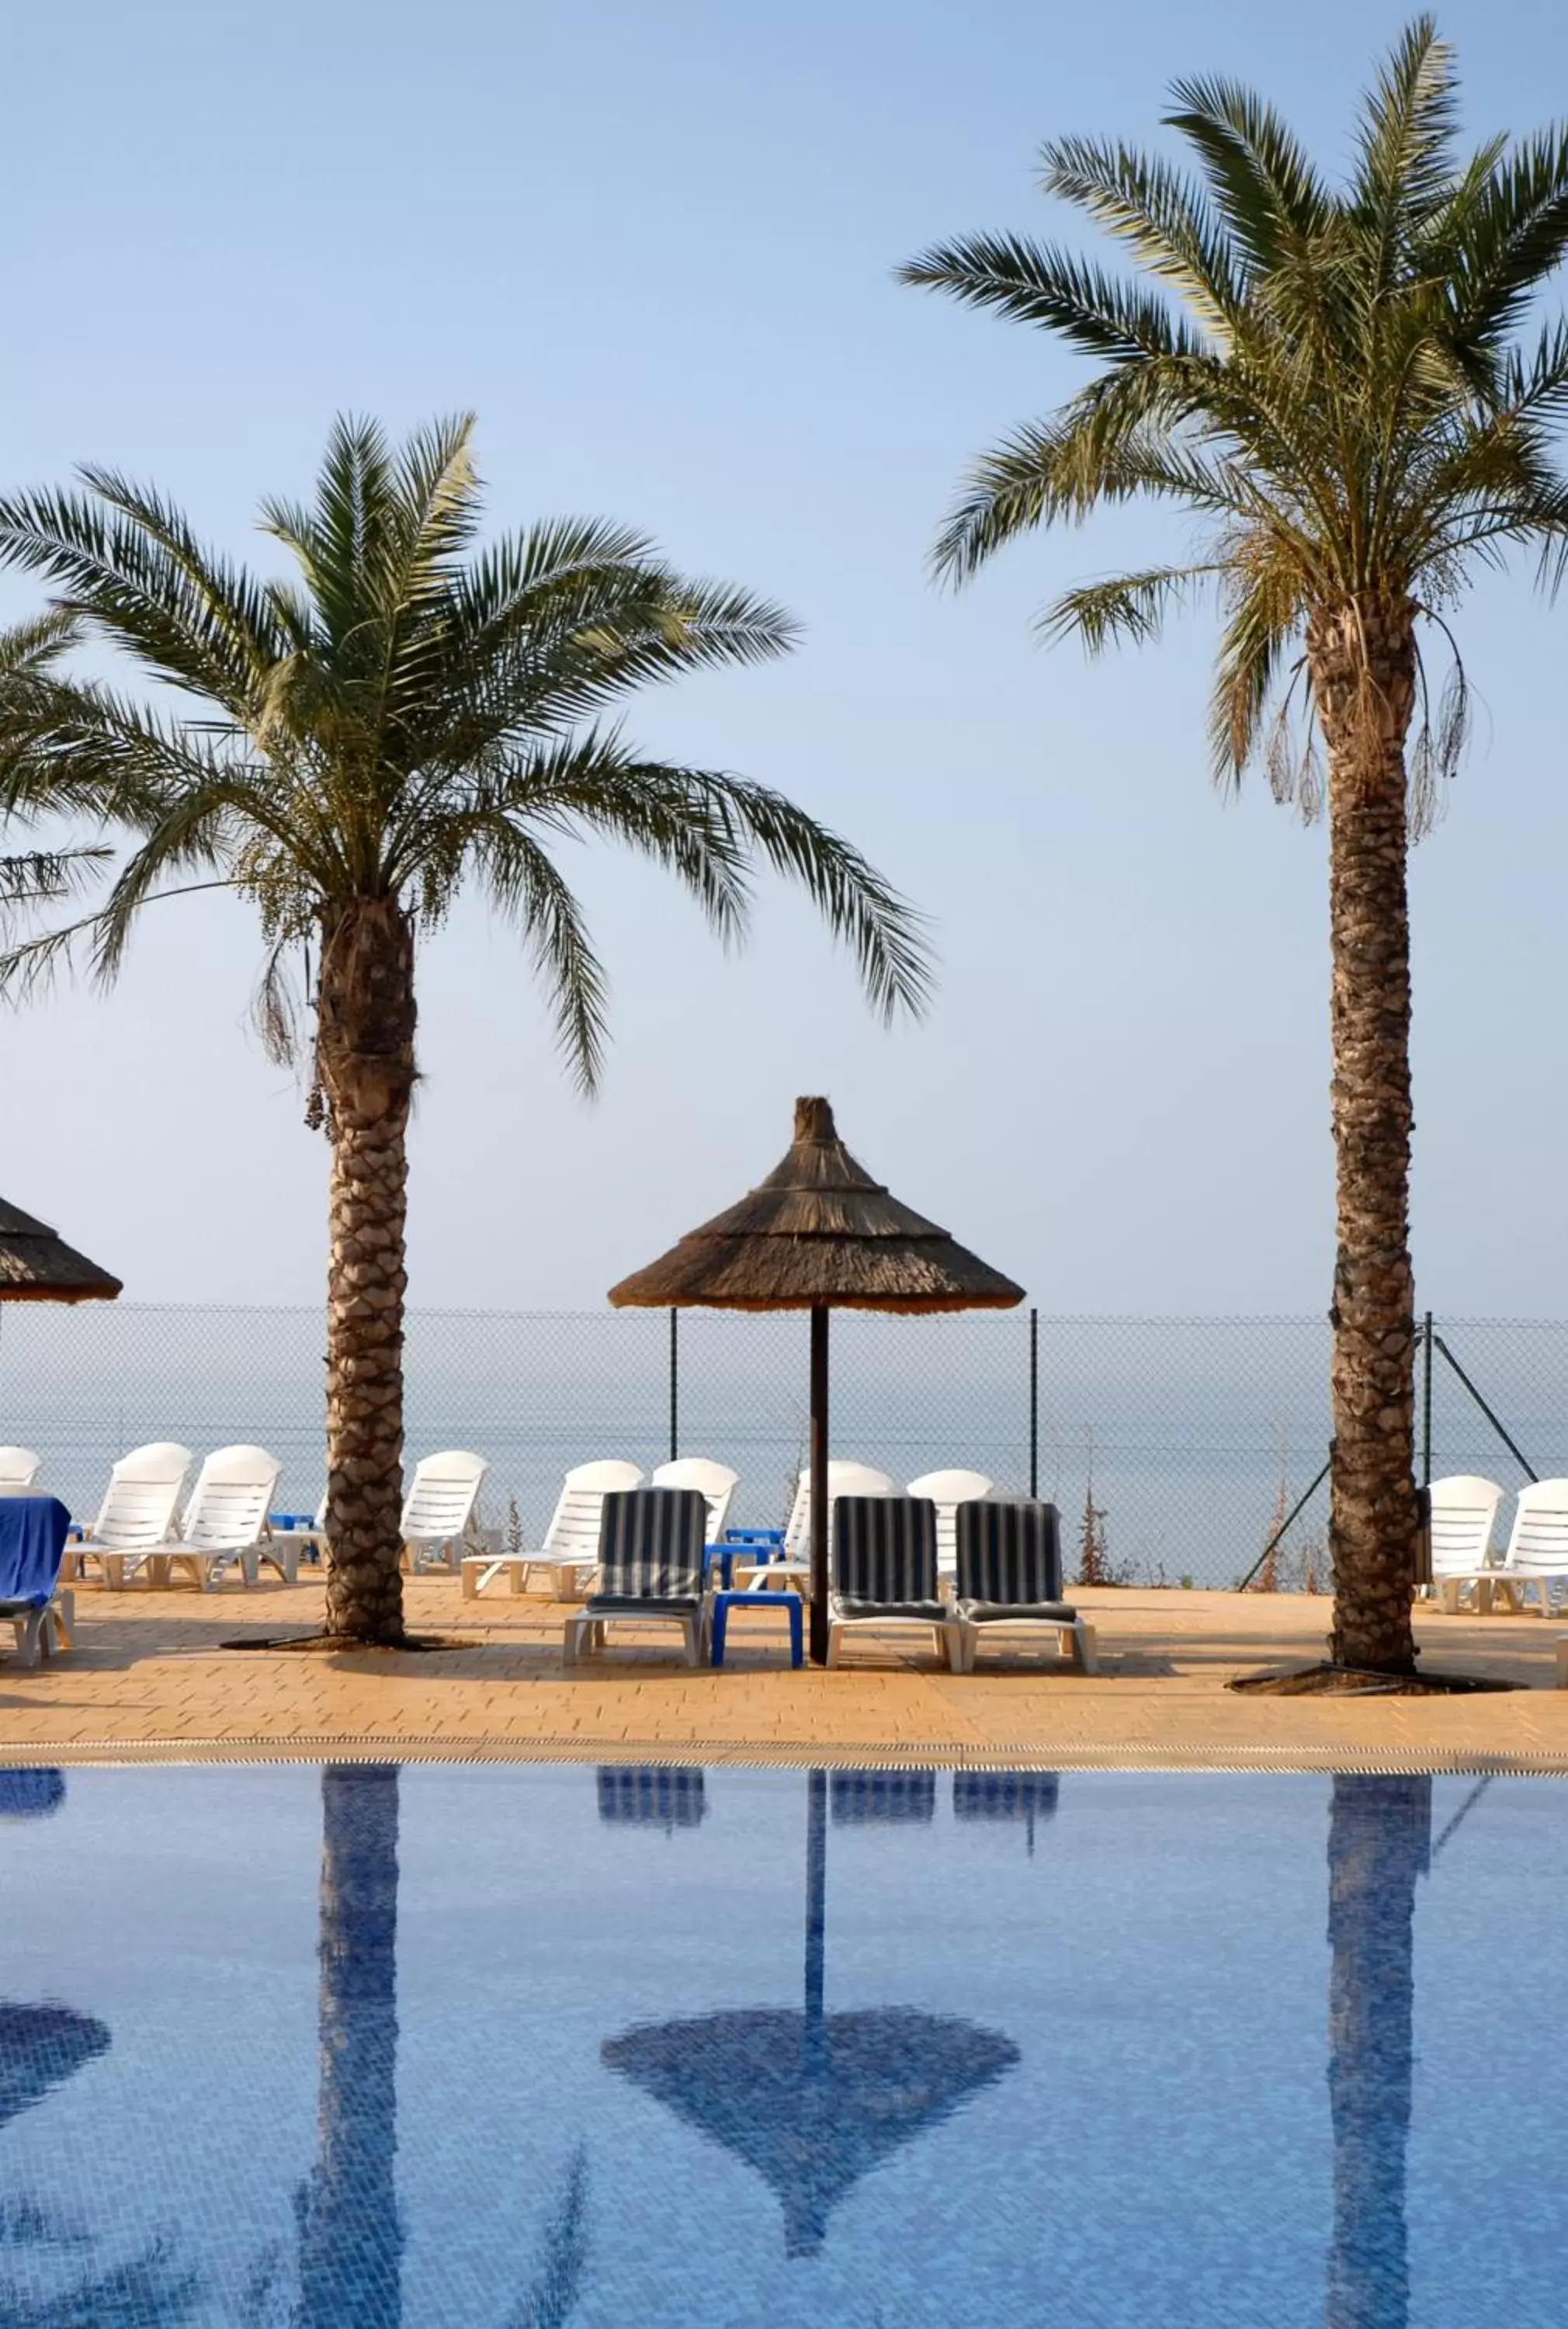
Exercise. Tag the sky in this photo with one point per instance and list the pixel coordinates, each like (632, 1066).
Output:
(653, 250)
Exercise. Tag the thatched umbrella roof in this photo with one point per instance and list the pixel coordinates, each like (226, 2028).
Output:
(819, 1235)
(37, 1266)
(819, 1230)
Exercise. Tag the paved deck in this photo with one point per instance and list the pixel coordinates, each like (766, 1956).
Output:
(149, 1678)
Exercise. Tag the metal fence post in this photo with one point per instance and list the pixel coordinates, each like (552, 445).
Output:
(1034, 1403)
(1426, 1401)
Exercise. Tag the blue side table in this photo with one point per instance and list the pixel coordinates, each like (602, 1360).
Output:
(754, 1599)
(722, 1558)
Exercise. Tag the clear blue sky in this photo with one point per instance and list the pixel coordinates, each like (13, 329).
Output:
(653, 247)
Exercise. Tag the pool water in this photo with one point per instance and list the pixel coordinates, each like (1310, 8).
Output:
(560, 2048)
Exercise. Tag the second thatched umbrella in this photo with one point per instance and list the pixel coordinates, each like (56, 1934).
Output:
(37, 1266)
(819, 1235)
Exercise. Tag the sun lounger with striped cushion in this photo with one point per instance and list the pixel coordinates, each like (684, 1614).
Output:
(650, 1546)
(1010, 1578)
(884, 1574)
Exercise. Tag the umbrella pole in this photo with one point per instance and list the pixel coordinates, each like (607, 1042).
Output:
(819, 1463)
(816, 1912)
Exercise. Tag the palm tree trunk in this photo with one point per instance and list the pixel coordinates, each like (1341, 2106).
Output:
(1379, 1844)
(1362, 658)
(365, 1032)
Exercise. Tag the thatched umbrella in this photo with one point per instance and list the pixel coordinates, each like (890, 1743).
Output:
(37, 1266)
(819, 1235)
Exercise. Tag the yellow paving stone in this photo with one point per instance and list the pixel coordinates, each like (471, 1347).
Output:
(149, 1674)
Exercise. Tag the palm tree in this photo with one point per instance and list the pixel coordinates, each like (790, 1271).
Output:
(347, 749)
(1328, 379)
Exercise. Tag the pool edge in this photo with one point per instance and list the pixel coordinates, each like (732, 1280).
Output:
(1059, 1755)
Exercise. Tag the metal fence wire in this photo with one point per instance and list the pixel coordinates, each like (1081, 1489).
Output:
(1175, 1448)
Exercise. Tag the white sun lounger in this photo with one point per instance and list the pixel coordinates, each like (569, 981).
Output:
(717, 1481)
(1463, 1510)
(947, 1491)
(845, 1478)
(439, 1505)
(137, 1511)
(19, 1468)
(570, 1551)
(225, 1522)
(1537, 1552)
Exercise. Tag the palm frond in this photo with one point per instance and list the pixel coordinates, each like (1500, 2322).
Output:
(1260, 179)
(1161, 217)
(1506, 235)
(1030, 283)
(522, 884)
(126, 563)
(1129, 609)
(34, 877)
(1405, 148)
(887, 938)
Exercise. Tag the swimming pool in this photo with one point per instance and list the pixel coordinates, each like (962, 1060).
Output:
(560, 2048)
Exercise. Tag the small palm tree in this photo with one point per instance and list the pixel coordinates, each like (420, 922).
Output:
(346, 751)
(1328, 379)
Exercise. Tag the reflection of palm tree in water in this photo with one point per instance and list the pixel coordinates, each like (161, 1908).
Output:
(350, 2239)
(1379, 1843)
(351, 2235)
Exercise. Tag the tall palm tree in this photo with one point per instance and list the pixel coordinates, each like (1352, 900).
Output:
(346, 751)
(1328, 379)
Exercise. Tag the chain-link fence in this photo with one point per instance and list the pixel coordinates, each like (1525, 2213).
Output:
(1175, 1448)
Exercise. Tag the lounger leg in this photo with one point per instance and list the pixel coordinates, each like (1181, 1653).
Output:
(63, 1617)
(112, 1567)
(948, 1637)
(716, 1634)
(835, 1633)
(1088, 1652)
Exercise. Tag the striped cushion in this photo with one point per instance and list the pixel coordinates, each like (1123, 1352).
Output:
(1008, 1554)
(650, 1543)
(990, 1613)
(885, 1549)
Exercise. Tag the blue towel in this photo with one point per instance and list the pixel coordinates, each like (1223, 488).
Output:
(31, 1546)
